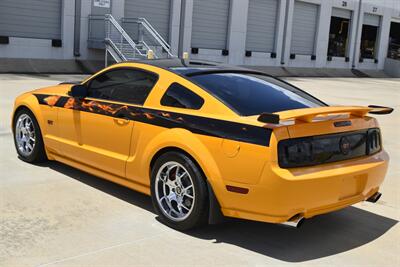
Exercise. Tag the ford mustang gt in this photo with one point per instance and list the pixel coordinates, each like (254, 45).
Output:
(207, 141)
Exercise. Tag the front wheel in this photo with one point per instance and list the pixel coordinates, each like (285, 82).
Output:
(179, 191)
(28, 138)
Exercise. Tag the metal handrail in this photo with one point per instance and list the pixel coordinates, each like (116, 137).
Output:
(155, 32)
(147, 47)
(114, 46)
(150, 29)
(166, 48)
(118, 41)
(111, 19)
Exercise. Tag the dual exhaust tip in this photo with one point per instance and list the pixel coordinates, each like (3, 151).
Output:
(297, 220)
(375, 197)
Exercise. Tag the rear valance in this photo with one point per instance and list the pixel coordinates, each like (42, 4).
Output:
(308, 114)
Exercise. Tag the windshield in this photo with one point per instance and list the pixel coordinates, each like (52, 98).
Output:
(253, 94)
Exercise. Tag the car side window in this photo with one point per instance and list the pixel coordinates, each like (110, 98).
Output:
(179, 96)
(124, 85)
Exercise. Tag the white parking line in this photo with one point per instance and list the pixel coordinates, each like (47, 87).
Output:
(100, 250)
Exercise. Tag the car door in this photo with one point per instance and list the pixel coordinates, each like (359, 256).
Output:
(96, 130)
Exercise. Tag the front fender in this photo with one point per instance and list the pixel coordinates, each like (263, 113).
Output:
(29, 101)
(42, 114)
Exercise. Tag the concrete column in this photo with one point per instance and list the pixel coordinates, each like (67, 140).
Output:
(280, 31)
(383, 38)
(187, 26)
(237, 31)
(67, 32)
(353, 29)
(359, 18)
(287, 39)
(322, 35)
(175, 25)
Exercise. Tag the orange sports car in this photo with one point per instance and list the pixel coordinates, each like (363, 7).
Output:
(207, 141)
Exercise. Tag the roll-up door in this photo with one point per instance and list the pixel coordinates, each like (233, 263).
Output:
(157, 12)
(341, 13)
(304, 28)
(31, 19)
(210, 23)
(372, 20)
(261, 25)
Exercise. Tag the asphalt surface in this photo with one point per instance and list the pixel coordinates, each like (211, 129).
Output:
(54, 215)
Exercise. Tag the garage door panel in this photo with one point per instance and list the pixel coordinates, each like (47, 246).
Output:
(210, 23)
(372, 20)
(305, 18)
(261, 25)
(31, 19)
(341, 13)
(157, 12)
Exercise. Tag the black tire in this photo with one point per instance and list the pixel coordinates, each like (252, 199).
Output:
(199, 214)
(38, 153)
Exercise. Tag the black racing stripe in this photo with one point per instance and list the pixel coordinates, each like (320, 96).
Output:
(196, 124)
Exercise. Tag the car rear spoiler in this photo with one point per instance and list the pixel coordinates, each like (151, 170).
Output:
(308, 114)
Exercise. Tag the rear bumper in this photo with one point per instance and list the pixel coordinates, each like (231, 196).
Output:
(309, 191)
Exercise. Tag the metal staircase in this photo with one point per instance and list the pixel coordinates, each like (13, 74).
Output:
(121, 47)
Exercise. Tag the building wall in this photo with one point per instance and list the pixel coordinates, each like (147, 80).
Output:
(389, 10)
(181, 33)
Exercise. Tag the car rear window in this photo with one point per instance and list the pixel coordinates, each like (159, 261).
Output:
(252, 94)
(179, 96)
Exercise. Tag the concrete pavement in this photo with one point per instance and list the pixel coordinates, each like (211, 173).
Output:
(54, 215)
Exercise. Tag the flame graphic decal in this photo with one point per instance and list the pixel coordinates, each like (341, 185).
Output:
(52, 100)
(196, 124)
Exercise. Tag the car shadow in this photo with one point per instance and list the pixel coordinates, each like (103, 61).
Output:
(318, 237)
(135, 198)
(322, 236)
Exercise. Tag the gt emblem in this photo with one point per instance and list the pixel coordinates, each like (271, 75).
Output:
(344, 145)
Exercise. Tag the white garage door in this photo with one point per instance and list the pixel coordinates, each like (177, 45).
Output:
(210, 23)
(31, 19)
(372, 20)
(157, 12)
(304, 28)
(341, 13)
(261, 25)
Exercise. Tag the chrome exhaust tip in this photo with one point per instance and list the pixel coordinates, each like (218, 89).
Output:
(295, 222)
(375, 197)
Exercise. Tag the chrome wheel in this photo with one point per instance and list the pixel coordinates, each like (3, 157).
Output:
(174, 190)
(25, 136)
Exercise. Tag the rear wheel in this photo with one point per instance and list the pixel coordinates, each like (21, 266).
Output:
(28, 138)
(179, 191)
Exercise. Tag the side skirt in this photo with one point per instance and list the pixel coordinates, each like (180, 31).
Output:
(145, 189)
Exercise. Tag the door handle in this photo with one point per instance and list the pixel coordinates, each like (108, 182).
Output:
(121, 119)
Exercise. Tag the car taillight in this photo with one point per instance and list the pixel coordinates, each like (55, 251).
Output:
(374, 143)
(308, 151)
(298, 152)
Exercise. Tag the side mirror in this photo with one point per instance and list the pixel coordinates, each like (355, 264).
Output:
(78, 91)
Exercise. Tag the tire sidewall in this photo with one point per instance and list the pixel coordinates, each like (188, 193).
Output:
(199, 213)
(38, 153)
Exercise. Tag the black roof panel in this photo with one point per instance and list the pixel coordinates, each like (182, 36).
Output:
(190, 67)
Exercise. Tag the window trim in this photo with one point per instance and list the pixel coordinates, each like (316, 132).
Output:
(186, 89)
(156, 75)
